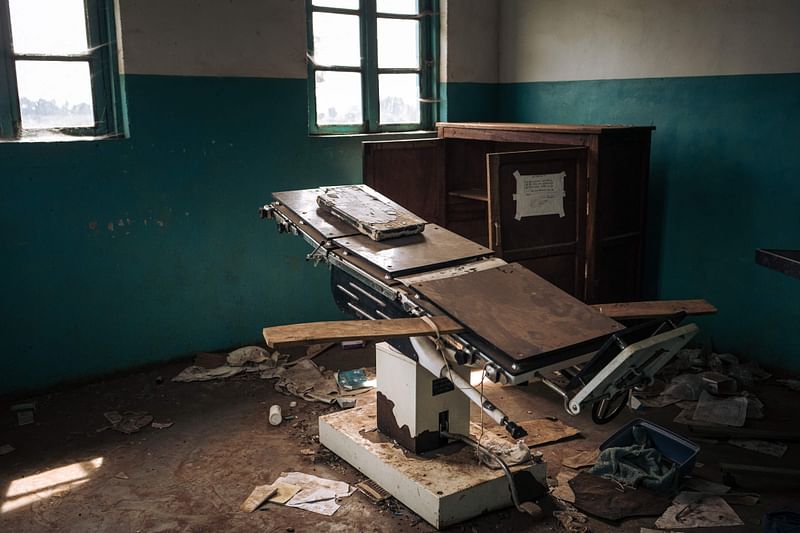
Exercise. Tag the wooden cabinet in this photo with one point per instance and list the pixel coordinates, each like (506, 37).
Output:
(589, 242)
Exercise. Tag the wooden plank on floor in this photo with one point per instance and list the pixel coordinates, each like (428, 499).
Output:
(345, 330)
(654, 309)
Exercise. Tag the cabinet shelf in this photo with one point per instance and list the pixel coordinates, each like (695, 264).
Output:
(471, 194)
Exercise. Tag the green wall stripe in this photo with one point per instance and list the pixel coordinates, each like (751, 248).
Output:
(203, 273)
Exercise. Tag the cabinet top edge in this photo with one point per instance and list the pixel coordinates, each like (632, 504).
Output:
(553, 128)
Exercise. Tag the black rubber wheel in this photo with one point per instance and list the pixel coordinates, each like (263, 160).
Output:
(604, 411)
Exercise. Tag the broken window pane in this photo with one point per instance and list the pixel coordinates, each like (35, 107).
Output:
(337, 40)
(400, 7)
(48, 26)
(342, 4)
(398, 43)
(338, 96)
(399, 98)
(55, 94)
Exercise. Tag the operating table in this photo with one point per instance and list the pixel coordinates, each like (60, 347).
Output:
(517, 327)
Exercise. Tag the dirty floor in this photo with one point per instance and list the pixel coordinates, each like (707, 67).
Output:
(65, 475)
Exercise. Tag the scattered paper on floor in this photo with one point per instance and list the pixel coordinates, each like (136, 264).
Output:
(285, 492)
(257, 497)
(694, 509)
(572, 520)
(306, 380)
(199, 373)
(563, 491)
(6, 449)
(127, 422)
(318, 495)
(775, 449)
(248, 354)
(581, 459)
(730, 411)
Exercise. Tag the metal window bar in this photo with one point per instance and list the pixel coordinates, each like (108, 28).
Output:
(369, 70)
(101, 56)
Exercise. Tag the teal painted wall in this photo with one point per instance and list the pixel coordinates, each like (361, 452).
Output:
(468, 102)
(188, 266)
(724, 181)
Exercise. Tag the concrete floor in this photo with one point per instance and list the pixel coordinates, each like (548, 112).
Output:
(194, 475)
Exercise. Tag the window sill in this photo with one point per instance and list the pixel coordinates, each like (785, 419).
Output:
(384, 135)
(54, 136)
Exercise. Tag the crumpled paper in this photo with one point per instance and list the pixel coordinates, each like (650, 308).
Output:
(127, 422)
(516, 454)
(248, 354)
(308, 381)
(318, 495)
(694, 509)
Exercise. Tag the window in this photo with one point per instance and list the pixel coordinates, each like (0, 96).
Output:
(371, 65)
(58, 68)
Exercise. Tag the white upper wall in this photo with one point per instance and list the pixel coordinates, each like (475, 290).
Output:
(258, 38)
(469, 46)
(267, 38)
(553, 40)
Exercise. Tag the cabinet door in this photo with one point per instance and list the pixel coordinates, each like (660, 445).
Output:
(537, 212)
(616, 240)
(409, 172)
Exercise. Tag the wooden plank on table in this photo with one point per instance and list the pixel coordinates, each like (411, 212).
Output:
(654, 309)
(343, 330)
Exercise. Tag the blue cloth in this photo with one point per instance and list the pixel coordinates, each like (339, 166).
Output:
(639, 464)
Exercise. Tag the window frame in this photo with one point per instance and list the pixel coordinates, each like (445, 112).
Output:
(103, 60)
(428, 17)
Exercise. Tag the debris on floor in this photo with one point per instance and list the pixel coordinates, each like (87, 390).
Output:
(247, 354)
(199, 373)
(581, 459)
(25, 413)
(352, 345)
(515, 454)
(258, 497)
(346, 403)
(211, 366)
(729, 411)
(161, 425)
(284, 492)
(775, 449)
(275, 416)
(572, 520)
(127, 422)
(316, 349)
(353, 379)
(121, 475)
(792, 384)
(563, 491)
(5, 449)
(310, 382)
(694, 509)
(373, 491)
(542, 431)
(318, 495)
(608, 499)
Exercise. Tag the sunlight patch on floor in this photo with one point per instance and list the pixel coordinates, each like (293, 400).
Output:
(26, 490)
